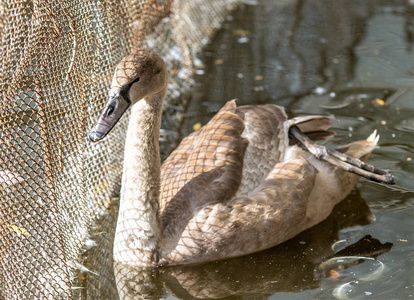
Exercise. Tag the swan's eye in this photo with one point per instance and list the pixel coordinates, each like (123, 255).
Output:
(128, 86)
(110, 109)
(136, 80)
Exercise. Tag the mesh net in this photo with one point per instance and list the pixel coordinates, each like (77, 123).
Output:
(57, 59)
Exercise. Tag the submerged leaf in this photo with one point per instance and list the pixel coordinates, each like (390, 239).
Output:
(17, 229)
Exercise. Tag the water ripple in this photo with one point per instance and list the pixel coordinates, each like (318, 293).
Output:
(367, 269)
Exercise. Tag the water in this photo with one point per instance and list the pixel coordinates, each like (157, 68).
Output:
(350, 59)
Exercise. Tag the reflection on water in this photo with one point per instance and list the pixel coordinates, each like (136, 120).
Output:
(297, 265)
(347, 58)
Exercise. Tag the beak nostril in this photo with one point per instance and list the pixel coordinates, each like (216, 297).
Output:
(110, 110)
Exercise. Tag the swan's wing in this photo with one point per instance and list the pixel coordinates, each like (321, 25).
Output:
(271, 215)
(264, 127)
(266, 130)
(218, 144)
(175, 163)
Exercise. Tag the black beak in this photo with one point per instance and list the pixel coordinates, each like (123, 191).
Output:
(113, 111)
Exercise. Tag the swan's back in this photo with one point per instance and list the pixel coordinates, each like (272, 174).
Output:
(218, 144)
(251, 139)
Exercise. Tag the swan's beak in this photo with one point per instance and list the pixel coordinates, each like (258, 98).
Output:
(113, 111)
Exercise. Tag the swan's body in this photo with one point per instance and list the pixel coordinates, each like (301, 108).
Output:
(231, 188)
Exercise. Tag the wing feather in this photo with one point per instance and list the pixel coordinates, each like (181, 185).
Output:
(251, 223)
(218, 145)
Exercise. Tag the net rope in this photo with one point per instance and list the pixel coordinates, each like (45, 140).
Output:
(56, 63)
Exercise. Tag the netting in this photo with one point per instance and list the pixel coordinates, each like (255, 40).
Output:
(57, 59)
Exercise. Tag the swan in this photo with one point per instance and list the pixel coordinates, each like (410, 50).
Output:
(246, 181)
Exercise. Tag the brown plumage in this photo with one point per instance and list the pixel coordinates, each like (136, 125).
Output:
(246, 181)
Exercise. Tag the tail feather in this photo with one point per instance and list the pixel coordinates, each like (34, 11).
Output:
(314, 127)
(320, 135)
(374, 137)
(312, 123)
(361, 149)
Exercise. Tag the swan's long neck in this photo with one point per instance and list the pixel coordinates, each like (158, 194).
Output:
(138, 230)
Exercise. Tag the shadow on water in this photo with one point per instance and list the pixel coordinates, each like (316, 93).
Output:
(347, 58)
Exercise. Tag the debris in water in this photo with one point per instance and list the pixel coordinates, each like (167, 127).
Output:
(219, 61)
(243, 39)
(90, 243)
(17, 229)
(197, 126)
(78, 266)
(198, 63)
(334, 275)
(320, 90)
(378, 102)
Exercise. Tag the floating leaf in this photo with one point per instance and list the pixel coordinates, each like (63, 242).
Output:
(196, 126)
(334, 275)
(378, 102)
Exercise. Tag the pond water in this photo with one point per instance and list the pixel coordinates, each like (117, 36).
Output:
(350, 59)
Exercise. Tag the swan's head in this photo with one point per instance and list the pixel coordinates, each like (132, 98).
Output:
(137, 77)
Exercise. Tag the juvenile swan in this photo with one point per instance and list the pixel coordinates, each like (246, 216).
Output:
(248, 180)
